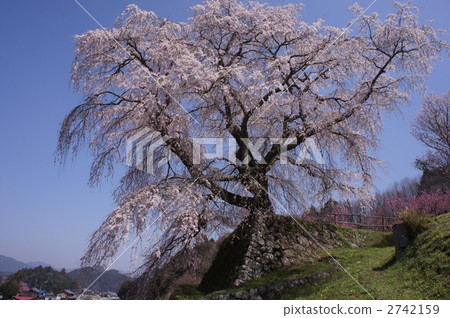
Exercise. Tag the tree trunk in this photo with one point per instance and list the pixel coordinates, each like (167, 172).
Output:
(241, 255)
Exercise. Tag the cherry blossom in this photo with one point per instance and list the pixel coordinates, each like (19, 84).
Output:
(242, 71)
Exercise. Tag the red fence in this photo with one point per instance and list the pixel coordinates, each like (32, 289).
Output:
(379, 223)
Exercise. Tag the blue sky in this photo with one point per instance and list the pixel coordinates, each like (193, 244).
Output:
(46, 212)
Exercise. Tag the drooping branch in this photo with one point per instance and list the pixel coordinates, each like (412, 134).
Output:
(245, 72)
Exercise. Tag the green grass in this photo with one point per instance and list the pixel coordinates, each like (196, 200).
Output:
(373, 239)
(366, 266)
(191, 291)
(284, 274)
(423, 273)
(429, 257)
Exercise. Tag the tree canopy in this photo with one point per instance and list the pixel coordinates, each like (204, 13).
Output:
(45, 278)
(247, 72)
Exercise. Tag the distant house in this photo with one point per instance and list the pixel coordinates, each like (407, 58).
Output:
(35, 292)
(67, 294)
(109, 295)
(51, 297)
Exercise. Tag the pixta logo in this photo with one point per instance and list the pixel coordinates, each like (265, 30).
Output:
(141, 148)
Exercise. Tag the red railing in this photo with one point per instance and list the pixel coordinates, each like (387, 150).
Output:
(379, 223)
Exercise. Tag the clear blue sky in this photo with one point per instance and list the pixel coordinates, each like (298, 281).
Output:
(48, 213)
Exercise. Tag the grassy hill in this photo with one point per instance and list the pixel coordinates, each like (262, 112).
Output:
(45, 278)
(423, 273)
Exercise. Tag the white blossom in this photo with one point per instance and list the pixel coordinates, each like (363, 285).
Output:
(238, 70)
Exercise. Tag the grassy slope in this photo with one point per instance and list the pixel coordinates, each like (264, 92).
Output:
(284, 228)
(422, 274)
(343, 234)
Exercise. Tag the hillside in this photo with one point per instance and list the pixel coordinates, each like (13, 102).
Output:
(421, 274)
(109, 281)
(10, 265)
(45, 278)
(40, 274)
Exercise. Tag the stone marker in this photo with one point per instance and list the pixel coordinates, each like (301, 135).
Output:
(401, 240)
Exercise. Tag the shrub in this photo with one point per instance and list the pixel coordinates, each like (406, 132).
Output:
(416, 221)
(128, 290)
(9, 288)
(433, 203)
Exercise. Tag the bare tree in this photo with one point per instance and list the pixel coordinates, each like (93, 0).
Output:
(243, 71)
(432, 128)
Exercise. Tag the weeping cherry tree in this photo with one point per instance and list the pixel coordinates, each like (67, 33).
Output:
(241, 72)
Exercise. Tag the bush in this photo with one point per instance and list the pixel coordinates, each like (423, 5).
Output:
(416, 221)
(9, 289)
(433, 203)
(128, 290)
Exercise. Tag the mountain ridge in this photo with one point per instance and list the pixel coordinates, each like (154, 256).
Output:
(11, 265)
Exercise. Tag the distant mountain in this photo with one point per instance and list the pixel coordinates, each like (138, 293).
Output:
(11, 265)
(109, 281)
